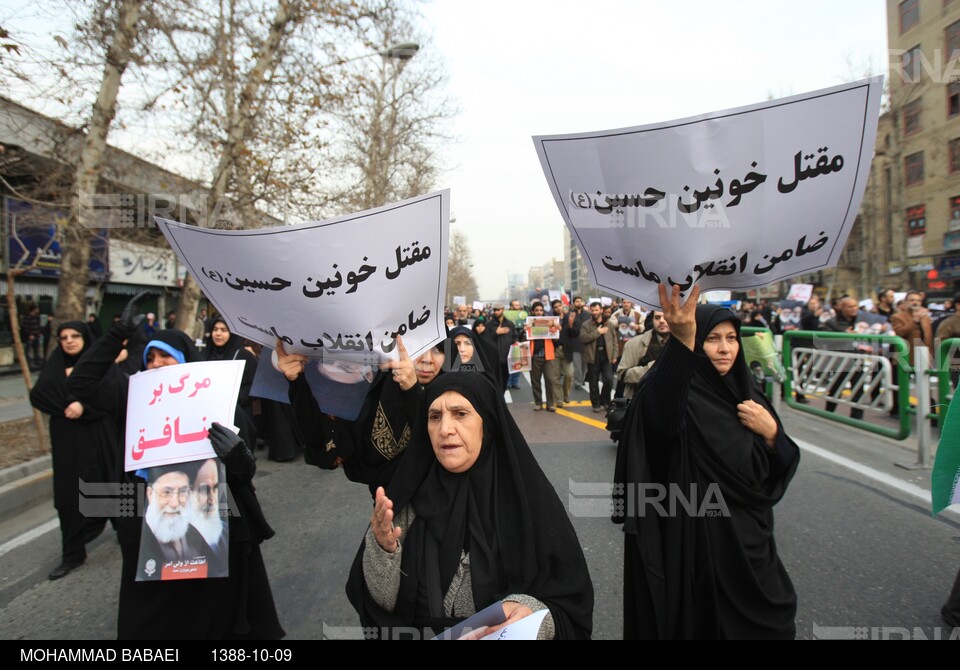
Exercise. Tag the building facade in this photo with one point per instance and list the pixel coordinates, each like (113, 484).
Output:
(917, 167)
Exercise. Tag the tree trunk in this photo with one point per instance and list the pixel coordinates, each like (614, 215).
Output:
(78, 232)
(237, 129)
(22, 355)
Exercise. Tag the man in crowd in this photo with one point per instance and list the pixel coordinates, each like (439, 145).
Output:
(884, 306)
(600, 355)
(640, 353)
(628, 310)
(574, 323)
(513, 382)
(912, 323)
(949, 328)
(31, 335)
(563, 376)
(501, 332)
(845, 321)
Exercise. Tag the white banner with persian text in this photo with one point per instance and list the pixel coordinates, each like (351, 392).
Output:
(169, 410)
(342, 288)
(730, 200)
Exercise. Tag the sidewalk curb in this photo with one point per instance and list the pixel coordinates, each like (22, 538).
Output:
(25, 485)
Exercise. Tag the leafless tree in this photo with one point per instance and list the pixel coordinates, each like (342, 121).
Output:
(77, 233)
(389, 132)
(460, 279)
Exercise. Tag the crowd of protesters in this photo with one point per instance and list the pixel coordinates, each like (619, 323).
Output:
(605, 347)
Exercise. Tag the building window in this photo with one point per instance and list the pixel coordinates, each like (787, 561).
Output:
(916, 220)
(911, 117)
(954, 151)
(910, 65)
(951, 39)
(888, 211)
(954, 223)
(909, 15)
(913, 169)
(953, 99)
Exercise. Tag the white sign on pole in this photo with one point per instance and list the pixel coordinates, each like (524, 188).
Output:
(459, 300)
(731, 200)
(478, 304)
(717, 296)
(169, 410)
(342, 288)
(802, 292)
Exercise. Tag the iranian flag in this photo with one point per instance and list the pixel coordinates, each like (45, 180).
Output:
(945, 479)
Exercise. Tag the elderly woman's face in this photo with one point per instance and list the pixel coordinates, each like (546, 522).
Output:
(464, 347)
(456, 431)
(721, 347)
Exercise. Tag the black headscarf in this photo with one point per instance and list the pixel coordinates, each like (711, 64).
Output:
(483, 354)
(226, 352)
(503, 511)
(49, 395)
(698, 576)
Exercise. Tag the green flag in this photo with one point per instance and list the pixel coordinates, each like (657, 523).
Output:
(945, 479)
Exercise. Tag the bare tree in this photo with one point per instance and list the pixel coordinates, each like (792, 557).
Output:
(252, 98)
(244, 86)
(460, 279)
(77, 234)
(389, 134)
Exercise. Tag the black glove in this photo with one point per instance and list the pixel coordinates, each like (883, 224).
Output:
(233, 451)
(130, 317)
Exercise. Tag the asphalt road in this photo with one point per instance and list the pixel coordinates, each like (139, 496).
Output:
(864, 553)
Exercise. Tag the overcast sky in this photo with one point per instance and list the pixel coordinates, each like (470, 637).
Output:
(530, 67)
(526, 67)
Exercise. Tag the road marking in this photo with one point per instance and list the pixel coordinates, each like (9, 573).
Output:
(889, 480)
(904, 487)
(29, 536)
(582, 419)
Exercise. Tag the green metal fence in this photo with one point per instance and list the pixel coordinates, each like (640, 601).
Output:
(901, 369)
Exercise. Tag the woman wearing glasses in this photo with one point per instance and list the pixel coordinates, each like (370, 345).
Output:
(81, 440)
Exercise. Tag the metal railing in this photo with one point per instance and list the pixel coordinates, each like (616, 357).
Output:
(865, 380)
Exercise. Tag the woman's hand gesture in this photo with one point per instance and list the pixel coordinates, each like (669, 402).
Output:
(403, 369)
(681, 319)
(291, 365)
(387, 536)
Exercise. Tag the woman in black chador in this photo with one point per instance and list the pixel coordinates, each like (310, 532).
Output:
(82, 439)
(469, 520)
(702, 562)
(239, 606)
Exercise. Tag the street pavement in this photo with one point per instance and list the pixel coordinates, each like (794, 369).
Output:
(853, 530)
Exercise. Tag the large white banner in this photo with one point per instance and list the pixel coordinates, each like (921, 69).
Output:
(730, 200)
(169, 410)
(341, 288)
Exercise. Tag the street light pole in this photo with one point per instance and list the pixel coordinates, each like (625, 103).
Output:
(402, 52)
